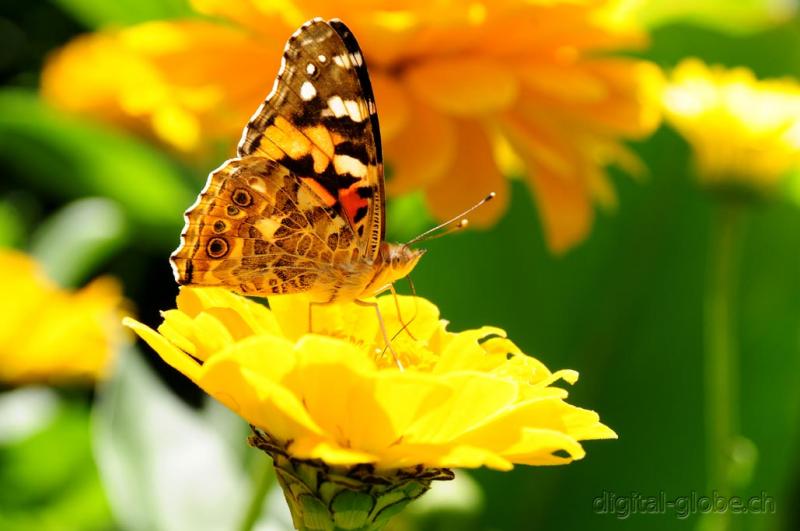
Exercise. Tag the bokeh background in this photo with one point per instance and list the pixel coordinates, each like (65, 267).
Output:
(624, 308)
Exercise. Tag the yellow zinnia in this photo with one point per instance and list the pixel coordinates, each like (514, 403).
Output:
(745, 133)
(466, 91)
(48, 334)
(335, 396)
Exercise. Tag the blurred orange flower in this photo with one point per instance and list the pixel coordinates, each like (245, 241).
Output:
(467, 92)
(48, 334)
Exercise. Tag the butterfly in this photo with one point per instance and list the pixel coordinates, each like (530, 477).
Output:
(301, 209)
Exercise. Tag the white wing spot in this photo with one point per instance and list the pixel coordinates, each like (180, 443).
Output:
(354, 110)
(343, 60)
(347, 164)
(322, 58)
(337, 106)
(356, 58)
(307, 91)
(311, 69)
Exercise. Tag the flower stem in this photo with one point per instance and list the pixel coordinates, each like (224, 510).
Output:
(263, 480)
(721, 370)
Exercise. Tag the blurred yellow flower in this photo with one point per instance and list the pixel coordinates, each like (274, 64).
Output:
(466, 91)
(48, 334)
(465, 399)
(744, 132)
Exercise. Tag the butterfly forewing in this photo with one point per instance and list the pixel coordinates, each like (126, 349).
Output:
(320, 122)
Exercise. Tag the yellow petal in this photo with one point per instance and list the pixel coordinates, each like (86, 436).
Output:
(465, 399)
(329, 452)
(406, 397)
(291, 313)
(269, 356)
(211, 334)
(346, 412)
(178, 329)
(465, 351)
(253, 395)
(485, 394)
(537, 446)
(168, 352)
(473, 457)
(455, 456)
(296, 318)
(504, 431)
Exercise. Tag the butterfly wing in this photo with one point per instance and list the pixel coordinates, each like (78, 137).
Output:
(320, 122)
(256, 228)
(302, 208)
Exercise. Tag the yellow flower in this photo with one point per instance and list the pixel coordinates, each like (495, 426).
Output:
(745, 133)
(48, 334)
(465, 399)
(466, 91)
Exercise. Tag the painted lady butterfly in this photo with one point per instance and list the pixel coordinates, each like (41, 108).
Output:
(301, 209)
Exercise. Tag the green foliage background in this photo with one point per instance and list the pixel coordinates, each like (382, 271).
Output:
(624, 308)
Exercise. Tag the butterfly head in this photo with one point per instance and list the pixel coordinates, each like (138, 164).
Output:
(399, 260)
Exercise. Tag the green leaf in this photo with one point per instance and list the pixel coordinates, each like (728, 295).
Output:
(99, 13)
(66, 157)
(76, 239)
(164, 467)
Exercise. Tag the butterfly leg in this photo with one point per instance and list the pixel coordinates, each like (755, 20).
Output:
(386, 339)
(400, 316)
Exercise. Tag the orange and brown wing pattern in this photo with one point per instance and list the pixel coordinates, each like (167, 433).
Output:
(257, 228)
(320, 122)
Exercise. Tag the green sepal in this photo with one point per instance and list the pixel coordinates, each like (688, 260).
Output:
(335, 498)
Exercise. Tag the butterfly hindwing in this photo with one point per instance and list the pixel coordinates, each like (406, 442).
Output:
(257, 228)
(320, 122)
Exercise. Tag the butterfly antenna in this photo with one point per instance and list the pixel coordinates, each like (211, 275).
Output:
(460, 222)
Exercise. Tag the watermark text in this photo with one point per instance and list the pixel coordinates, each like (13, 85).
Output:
(623, 506)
